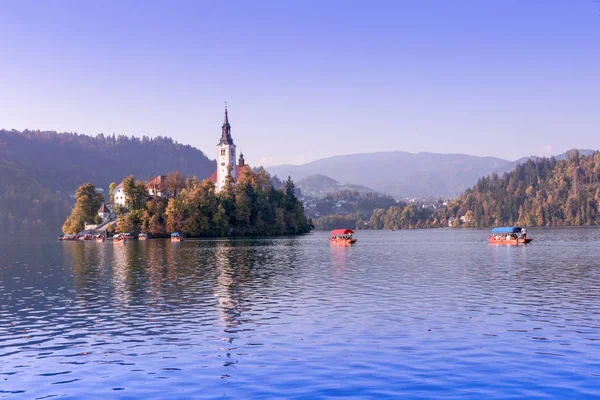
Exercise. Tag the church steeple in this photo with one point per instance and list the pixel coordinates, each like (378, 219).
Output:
(226, 130)
(241, 161)
(225, 154)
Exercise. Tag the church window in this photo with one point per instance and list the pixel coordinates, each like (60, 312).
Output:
(222, 152)
(222, 164)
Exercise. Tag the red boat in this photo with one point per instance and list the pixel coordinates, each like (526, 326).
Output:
(342, 237)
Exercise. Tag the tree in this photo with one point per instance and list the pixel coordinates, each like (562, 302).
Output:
(174, 183)
(88, 201)
(111, 190)
(135, 193)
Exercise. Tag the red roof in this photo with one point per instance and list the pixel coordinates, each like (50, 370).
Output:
(341, 231)
(213, 176)
(157, 180)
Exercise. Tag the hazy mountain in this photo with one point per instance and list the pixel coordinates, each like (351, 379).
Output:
(321, 185)
(400, 173)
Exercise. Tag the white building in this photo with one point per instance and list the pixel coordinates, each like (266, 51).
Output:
(226, 157)
(119, 195)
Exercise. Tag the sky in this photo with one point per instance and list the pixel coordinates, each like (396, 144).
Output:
(309, 79)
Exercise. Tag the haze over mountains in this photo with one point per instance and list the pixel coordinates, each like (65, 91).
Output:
(404, 174)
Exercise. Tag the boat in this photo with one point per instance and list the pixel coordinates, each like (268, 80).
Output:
(509, 235)
(119, 238)
(128, 235)
(100, 238)
(86, 236)
(176, 237)
(143, 236)
(342, 237)
(67, 237)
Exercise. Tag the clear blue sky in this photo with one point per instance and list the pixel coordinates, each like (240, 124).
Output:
(309, 79)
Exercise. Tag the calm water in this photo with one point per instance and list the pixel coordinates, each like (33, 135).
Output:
(412, 314)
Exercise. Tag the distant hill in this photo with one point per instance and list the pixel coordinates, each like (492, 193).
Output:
(39, 169)
(540, 192)
(321, 185)
(62, 161)
(27, 208)
(399, 173)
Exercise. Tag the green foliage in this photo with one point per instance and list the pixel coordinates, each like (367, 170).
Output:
(250, 207)
(348, 202)
(400, 216)
(135, 193)
(88, 201)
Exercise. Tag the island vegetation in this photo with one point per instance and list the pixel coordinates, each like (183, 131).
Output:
(251, 206)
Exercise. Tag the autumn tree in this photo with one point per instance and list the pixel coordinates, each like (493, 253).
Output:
(88, 201)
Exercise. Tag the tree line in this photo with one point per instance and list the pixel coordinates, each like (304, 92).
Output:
(250, 206)
(541, 192)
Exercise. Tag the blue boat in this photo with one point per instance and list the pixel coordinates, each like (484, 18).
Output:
(509, 235)
(176, 237)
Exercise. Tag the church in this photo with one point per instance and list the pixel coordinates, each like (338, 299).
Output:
(226, 157)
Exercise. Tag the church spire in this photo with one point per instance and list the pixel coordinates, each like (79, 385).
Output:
(226, 130)
(226, 120)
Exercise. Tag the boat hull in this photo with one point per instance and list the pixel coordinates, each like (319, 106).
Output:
(492, 240)
(347, 242)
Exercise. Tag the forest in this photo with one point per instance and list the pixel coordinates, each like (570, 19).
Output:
(250, 207)
(542, 192)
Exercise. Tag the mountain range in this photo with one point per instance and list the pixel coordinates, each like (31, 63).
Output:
(321, 185)
(404, 174)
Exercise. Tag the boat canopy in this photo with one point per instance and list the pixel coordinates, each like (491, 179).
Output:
(175, 234)
(341, 232)
(507, 229)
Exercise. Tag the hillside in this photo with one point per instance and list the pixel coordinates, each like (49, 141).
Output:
(541, 192)
(27, 208)
(321, 185)
(39, 170)
(62, 161)
(400, 173)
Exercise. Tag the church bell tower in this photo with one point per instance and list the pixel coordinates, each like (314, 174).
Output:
(225, 154)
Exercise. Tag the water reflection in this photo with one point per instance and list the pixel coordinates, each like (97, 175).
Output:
(401, 314)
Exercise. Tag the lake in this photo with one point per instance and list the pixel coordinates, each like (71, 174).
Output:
(414, 314)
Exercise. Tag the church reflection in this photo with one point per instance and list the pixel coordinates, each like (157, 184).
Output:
(227, 282)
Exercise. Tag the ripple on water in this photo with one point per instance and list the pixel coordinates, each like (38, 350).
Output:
(414, 314)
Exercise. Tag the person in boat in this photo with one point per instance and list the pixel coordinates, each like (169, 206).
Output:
(524, 233)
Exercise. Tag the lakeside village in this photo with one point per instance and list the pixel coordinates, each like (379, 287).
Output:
(233, 201)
